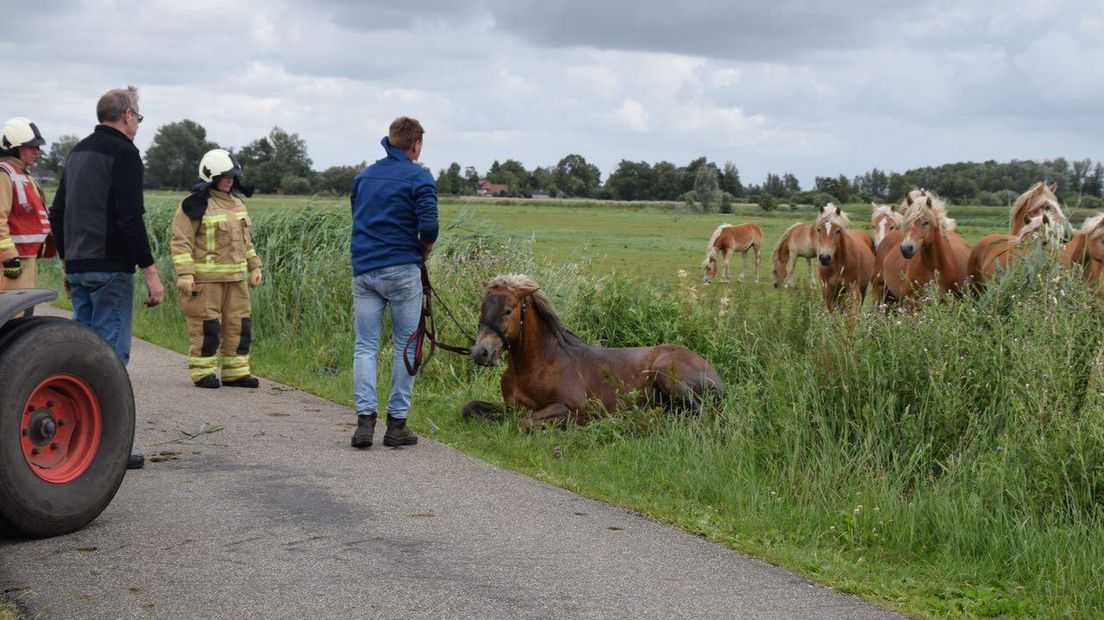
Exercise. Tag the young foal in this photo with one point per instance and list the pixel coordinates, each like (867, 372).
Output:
(796, 242)
(930, 251)
(552, 372)
(846, 260)
(728, 239)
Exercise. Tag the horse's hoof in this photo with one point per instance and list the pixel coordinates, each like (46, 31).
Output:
(526, 425)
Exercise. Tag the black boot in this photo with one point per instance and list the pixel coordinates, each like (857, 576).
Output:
(248, 381)
(208, 381)
(136, 461)
(397, 434)
(366, 427)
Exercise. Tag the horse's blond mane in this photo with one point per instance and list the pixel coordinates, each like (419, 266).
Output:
(521, 284)
(889, 212)
(1028, 199)
(839, 219)
(938, 210)
(1093, 227)
(713, 239)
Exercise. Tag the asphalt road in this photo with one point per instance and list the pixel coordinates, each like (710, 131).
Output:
(275, 516)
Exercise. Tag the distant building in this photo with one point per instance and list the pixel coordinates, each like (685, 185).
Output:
(486, 188)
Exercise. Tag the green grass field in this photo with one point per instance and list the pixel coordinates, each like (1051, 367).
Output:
(947, 463)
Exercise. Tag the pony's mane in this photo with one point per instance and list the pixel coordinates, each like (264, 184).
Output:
(776, 255)
(709, 249)
(1092, 227)
(839, 219)
(920, 207)
(519, 284)
(888, 212)
(1028, 199)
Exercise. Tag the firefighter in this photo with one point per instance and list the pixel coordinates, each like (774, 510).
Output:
(216, 266)
(24, 224)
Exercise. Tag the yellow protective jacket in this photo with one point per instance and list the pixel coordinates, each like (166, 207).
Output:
(8, 200)
(216, 247)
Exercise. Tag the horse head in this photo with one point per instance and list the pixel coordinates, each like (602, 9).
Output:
(883, 219)
(1038, 201)
(501, 316)
(1092, 231)
(830, 227)
(709, 265)
(925, 220)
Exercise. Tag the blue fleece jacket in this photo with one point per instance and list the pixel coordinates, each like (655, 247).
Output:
(394, 205)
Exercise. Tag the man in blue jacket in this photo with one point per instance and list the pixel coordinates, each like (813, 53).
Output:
(394, 205)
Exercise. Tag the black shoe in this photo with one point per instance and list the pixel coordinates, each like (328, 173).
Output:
(366, 427)
(136, 461)
(208, 381)
(397, 434)
(248, 381)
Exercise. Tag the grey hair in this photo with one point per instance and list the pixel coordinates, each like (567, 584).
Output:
(114, 103)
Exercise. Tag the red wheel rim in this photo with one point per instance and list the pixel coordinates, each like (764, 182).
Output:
(61, 427)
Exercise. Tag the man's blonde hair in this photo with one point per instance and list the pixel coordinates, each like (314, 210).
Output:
(404, 132)
(114, 103)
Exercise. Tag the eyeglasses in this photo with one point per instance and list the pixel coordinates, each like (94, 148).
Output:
(140, 117)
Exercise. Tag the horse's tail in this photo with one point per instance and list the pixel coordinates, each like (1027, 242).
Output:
(712, 240)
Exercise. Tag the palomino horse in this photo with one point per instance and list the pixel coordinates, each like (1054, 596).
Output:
(1046, 229)
(552, 372)
(1086, 248)
(796, 242)
(846, 260)
(884, 218)
(929, 251)
(1039, 199)
(727, 239)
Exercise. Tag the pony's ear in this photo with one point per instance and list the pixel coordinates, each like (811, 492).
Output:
(1027, 219)
(929, 202)
(1053, 187)
(483, 283)
(525, 291)
(873, 205)
(837, 210)
(908, 199)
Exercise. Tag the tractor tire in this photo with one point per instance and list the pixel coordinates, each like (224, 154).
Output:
(66, 425)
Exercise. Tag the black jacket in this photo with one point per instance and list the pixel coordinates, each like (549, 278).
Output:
(97, 213)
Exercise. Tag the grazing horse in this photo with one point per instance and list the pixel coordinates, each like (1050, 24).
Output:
(929, 251)
(996, 251)
(884, 218)
(1086, 248)
(1038, 200)
(552, 372)
(728, 239)
(796, 242)
(846, 260)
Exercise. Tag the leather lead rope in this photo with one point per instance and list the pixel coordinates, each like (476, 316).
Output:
(427, 329)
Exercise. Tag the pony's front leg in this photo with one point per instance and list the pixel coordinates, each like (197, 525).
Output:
(743, 266)
(812, 276)
(791, 264)
(756, 264)
(534, 420)
(482, 409)
(727, 257)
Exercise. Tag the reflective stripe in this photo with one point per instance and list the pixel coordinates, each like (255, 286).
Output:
(200, 366)
(240, 360)
(28, 238)
(182, 258)
(217, 268)
(214, 218)
(234, 373)
(251, 253)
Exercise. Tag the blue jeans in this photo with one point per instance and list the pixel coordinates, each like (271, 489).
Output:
(399, 286)
(102, 300)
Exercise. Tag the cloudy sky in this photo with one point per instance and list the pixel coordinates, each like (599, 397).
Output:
(810, 87)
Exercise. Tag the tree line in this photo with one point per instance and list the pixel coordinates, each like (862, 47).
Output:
(279, 163)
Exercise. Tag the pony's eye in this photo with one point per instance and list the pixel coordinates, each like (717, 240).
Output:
(508, 311)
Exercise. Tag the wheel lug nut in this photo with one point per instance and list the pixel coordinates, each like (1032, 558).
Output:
(24, 432)
(49, 403)
(54, 446)
(34, 451)
(60, 422)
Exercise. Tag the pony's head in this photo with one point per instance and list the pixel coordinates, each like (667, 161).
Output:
(1093, 232)
(925, 218)
(709, 265)
(501, 315)
(831, 226)
(781, 255)
(883, 219)
(1039, 200)
(1045, 229)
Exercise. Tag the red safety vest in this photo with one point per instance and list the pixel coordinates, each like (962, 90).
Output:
(28, 224)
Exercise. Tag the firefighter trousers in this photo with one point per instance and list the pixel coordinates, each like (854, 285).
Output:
(219, 330)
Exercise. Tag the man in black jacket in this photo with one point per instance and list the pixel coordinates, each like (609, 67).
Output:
(97, 223)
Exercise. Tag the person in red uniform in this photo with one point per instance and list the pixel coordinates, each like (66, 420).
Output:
(24, 224)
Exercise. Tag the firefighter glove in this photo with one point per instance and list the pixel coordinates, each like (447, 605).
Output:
(185, 285)
(254, 278)
(13, 268)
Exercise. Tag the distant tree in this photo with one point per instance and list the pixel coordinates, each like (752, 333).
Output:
(575, 177)
(544, 179)
(707, 191)
(768, 203)
(773, 185)
(172, 160)
(666, 181)
(294, 184)
(54, 160)
(730, 180)
(269, 160)
(631, 181)
(337, 180)
(471, 180)
(513, 174)
(791, 184)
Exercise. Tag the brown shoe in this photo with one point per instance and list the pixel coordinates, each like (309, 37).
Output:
(366, 427)
(397, 434)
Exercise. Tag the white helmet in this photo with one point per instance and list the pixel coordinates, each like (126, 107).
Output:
(20, 131)
(217, 162)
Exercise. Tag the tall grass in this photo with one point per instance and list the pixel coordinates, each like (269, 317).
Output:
(948, 461)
